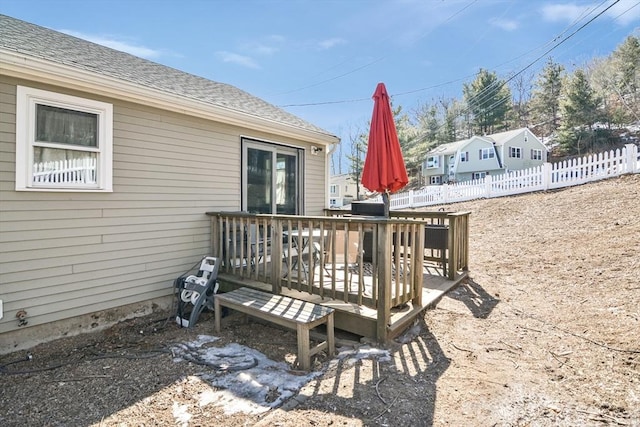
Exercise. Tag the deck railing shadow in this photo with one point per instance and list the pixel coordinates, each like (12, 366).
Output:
(475, 297)
(415, 357)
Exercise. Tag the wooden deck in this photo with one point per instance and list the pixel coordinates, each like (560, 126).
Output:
(378, 273)
(361, 320)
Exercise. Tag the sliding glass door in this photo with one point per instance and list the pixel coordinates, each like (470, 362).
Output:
(271, 178)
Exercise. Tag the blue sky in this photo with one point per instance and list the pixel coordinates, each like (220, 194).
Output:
(322, 59)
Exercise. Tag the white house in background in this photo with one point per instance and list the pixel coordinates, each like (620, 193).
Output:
(479, 156)
(343, 189)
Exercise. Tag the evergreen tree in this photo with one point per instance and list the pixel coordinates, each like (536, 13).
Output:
(626, 62)
(579, 109)
(545, 100)
(489, 101)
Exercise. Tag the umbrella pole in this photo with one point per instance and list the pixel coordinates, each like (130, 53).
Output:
(385, 201)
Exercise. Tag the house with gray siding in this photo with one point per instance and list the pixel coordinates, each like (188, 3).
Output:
(479, 156)
(108, 163)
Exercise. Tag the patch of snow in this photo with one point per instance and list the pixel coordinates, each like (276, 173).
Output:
(247, 381)
(181, 414)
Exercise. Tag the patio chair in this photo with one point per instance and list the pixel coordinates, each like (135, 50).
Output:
(347, 257)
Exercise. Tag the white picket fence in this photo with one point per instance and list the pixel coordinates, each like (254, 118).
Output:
(72, 171)
(545, 177)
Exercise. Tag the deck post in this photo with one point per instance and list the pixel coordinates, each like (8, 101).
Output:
(453, 246)
(417, 267)
(384, 280)
(276, 256)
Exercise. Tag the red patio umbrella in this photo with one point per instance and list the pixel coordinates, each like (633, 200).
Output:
(384, 169)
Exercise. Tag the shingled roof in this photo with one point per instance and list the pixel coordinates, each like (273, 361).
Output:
(31, 40)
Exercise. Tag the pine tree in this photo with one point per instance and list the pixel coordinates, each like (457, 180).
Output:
(545, 100)
(489, 101)
(579, 110)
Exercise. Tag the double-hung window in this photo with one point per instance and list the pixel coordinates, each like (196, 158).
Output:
(464, 156)
(536, 154)
(63, 142)
(487, 153)
(515, 152)
(433, 162)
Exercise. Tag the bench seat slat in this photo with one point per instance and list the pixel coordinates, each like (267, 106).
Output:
(284, 311)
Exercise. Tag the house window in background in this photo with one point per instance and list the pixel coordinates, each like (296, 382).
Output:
(536, 154)
(433, 162)
(271, 178)
(479, 175)
(435, 180)
(515, 152)
(63, 143)
(464, 156)
(333, 189)
(487, 153)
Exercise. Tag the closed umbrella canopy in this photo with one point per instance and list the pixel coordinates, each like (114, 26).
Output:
(384, 170)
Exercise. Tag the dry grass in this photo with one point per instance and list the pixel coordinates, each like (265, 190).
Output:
(545, 333)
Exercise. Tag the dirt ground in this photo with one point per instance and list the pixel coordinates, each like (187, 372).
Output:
(546, 332)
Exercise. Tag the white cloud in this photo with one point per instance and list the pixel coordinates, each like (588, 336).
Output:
(140, 51)
(505, 24)
(329, 43)
(238, 59)
(624, 12)
(563, 12)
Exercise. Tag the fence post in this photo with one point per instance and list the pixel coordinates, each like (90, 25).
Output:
(632, 156)
(445, 193)
(410, 198)
(546, 175)
(488, 179)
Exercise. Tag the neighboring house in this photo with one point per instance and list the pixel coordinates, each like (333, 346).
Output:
(479, 156)
(108, 164)
(343, 189)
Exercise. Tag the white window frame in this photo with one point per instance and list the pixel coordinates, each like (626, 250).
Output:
(333, 189)
(479, 175)
(487, 153)
(515, 152)
(435, 180)
(536, 154)
(26, 100)
(433, 162)
(464, 156)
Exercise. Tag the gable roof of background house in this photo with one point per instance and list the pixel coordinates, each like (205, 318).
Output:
(25, 39)
(453, 147)
(502, 137)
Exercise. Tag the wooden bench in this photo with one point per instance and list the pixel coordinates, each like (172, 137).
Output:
(284, 311)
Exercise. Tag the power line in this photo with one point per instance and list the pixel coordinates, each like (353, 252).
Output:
(365, 65)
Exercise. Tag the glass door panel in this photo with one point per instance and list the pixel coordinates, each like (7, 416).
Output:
(259, 182)
(286, 184)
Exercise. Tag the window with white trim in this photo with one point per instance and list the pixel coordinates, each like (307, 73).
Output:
(433, 162)
(536, 154)
(63, 142)
(435, 180)
(333, 189)
(515, 152)
(464, 156)
(487, 153)
(479, 175)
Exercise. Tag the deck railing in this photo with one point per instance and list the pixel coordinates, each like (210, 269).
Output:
(366, 261)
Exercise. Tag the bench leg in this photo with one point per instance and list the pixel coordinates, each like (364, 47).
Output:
(216, 314)
(331, 343)
(304, 358)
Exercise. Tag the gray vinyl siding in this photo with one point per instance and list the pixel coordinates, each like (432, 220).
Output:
(68, 254)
